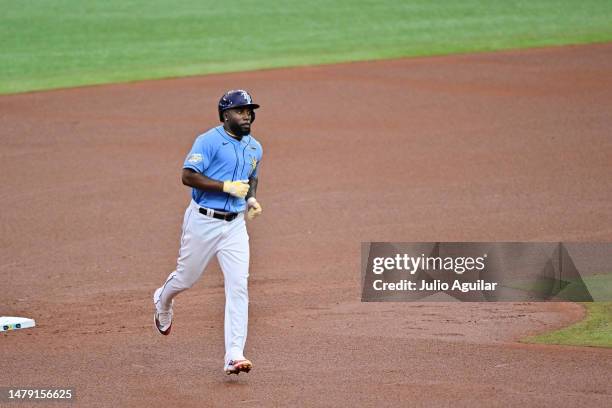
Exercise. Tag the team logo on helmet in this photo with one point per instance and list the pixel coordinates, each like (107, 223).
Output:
(246, 96)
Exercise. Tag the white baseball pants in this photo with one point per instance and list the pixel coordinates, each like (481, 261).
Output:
(202, 238)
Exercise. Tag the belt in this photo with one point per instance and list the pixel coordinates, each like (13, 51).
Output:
(218, 214)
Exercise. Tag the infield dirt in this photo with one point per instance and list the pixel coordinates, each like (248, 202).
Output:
(510, 146)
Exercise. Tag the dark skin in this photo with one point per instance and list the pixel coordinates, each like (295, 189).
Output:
(237, 123)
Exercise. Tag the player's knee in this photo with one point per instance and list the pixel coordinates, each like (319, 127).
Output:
(239, 286)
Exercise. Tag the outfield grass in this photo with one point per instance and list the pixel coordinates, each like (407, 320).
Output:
(61, 43)
(595, 330)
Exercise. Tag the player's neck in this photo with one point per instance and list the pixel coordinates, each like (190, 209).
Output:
(229, 132)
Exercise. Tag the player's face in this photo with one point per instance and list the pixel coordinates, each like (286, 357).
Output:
(238, 120)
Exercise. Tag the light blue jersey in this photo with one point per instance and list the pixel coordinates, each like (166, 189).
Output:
(218, 156)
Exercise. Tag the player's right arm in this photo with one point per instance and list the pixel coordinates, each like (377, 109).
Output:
(191, 178)
(197, 180)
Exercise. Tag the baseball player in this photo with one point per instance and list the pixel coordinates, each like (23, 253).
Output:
(222, 169)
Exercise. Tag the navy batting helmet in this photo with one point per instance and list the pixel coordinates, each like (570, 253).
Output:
(234, 99)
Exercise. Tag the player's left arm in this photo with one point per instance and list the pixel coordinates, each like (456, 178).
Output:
(254, 207)
(253, 180)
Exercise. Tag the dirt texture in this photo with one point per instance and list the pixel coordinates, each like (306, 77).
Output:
(509, 146)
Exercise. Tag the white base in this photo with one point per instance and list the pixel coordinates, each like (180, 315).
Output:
(8, 323)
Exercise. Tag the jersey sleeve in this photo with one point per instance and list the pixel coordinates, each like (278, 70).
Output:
(200, 155)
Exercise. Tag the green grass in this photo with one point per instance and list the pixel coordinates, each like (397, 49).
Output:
(61, 43)
(595, 330)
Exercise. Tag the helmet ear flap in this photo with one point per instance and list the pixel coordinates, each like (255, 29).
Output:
(224, 104)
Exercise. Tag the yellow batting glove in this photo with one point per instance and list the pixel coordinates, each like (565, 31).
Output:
(238, 188)
(254, 208)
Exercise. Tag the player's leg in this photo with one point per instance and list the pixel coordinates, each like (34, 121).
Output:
(233, 256)
(199, 240)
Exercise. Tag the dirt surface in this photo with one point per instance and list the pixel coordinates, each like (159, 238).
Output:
(511, 146)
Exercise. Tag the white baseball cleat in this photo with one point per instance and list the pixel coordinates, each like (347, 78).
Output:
(162, 319)
(163, 322)
(237, 366)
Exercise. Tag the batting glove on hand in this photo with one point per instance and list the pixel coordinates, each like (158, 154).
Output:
(238, 188)
(254, 208)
